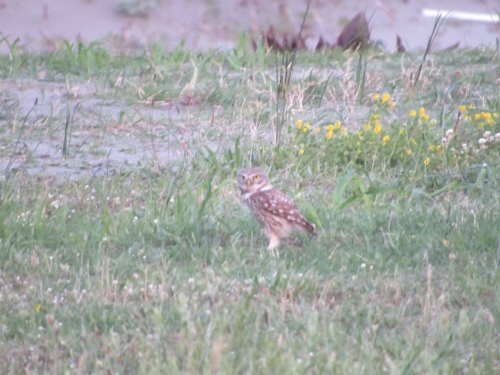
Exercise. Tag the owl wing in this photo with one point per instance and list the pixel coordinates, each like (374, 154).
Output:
(278, 203)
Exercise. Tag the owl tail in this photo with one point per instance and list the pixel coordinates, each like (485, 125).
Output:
(310, 228)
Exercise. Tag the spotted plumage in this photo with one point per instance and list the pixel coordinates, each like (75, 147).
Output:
(272, 208)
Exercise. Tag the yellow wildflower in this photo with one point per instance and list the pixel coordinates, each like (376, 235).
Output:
(412, 140)
(385, 140)
(329, 135)
(337, 125)
(343, 131)
(427, 161)
(413, 113)
(421, 111)
(38, 307)
(425, 117)
(431, 148)
(316, 130)
(306, 127)
(299, 124)
(401, 132)
(392, 105)
(495, 115)
(329, 128)
(408, 152)
(375, 96)
(477, 116)
(472, 106)
(385, 98)
(462, 108)
(301, 151)
(377, 129)
(438, 148)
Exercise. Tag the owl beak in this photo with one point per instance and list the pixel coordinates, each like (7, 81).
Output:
(249, 182)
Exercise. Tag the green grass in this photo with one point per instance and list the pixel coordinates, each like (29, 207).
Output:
(133, 254)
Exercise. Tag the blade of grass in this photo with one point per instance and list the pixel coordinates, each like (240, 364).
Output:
(437, 24)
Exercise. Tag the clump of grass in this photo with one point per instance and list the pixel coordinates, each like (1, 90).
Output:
(284, 68)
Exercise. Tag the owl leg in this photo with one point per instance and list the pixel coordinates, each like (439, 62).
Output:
(274, 241)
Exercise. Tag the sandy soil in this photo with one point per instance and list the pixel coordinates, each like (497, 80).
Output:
(203, 24)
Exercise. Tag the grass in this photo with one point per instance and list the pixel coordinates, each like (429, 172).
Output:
(131, 253)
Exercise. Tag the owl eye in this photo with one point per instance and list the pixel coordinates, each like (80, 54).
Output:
(256, 178)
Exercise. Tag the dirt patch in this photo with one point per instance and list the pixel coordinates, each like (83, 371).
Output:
(103, 136)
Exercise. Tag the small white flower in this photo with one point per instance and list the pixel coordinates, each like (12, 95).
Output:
(449, 133)
(481, 141)
(486, 134)
(444, 140)
(363, 265)
(497, 137)
(464, 146)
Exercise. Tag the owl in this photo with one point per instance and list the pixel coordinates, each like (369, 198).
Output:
(272, 208)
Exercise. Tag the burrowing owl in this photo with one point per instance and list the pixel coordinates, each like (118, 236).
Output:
(272, 208)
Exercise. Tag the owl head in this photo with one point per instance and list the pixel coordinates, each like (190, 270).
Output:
(253, 179)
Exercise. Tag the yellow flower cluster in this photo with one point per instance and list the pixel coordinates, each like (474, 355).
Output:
(383, 99)
(424, 116)
(330, 128)
(375, 122)
(300, 125)
(486, 116)
(385, 139)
